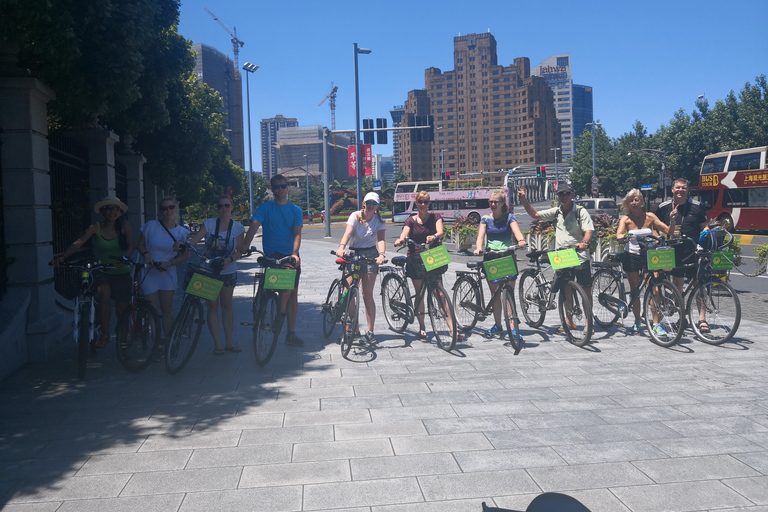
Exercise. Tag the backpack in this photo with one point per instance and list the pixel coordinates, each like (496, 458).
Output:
(579, 209)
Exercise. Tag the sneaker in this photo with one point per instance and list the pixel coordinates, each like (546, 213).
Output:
(293, 340)
(369, 338)
(515, 334)
(659, 329)
(490, 333)
(277, 326)
(636, 327)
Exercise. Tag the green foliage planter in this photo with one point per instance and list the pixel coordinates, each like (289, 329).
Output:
(462, 233)
(761, 258)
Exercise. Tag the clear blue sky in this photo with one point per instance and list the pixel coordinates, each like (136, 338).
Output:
(645, 60)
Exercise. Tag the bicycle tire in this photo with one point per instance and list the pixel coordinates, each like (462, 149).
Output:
(532, 303)
(577, 324)
(442, 317)
(395, 302)
(83, 339)
(723, 311)
(264, 336)
(350, 320)
(330, 308)
(185, 334)
(138, 330)
(466, 303)
(510, 317)
(669, 307)
(605, 284)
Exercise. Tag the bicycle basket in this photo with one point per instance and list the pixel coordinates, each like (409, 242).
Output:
(201, 282)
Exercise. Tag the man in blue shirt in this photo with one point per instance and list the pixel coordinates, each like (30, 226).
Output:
(282, 222)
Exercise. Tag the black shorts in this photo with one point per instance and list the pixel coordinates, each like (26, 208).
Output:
(415, 268)
(367, 267)
(633, 262)
(229, 280)
(290, 266)
(120, 286)
(689, 272)
(583, 274)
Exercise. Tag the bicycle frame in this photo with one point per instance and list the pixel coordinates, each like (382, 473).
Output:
(478, 276)
(561, 276)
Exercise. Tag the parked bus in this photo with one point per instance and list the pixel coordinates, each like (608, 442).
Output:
(733, 187)
(468, 198)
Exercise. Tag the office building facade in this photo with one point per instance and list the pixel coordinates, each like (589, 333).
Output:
(293, 143)
(269, 129)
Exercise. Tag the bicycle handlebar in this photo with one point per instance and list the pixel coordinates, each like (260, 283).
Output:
(356, 257)
(409, 242)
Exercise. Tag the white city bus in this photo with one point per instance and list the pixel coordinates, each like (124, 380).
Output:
(466, 198)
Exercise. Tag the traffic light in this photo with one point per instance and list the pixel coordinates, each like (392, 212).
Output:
(543, 171)
(368, 136)
(429, 133)
(538, 172)
(414, 121)
(447, 175)
(381, 135)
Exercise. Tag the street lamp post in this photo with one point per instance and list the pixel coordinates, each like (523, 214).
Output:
(249, 68)
(557, 174)
(593, 147)
(440, 167)
(355, 51)
(662, 156)
(306, 168)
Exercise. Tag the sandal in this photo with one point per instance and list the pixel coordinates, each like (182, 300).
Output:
(234, 349)
(102, 342)
(703, 327)
(422, 335)
(218, 352)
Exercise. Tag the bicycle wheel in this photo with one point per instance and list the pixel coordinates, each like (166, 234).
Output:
(511, 322)
(442, 317)
(330, 308)
(395, 301)
(466, 303)
(350, 320)
(722, 310)
(605, 289)
(663, 300)
(264, 337)
(184, 335)
(138, 330)
(532, 303)
(83, 339)
(575, 313)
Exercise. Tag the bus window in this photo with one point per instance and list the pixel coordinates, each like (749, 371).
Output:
(744, 162)
(757, 197)
(708, 198)
(403, 188)
(713, 165)
(399, 206)
(734, 198)
(429, 187)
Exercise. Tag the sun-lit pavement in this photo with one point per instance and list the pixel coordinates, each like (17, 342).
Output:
(405, 427)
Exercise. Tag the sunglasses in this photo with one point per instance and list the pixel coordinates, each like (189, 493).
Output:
(422, 202)
(563, 193)
(169, 207)
(224, 205)
(372, 203)
(280, 187)
(112, 208)
(493, 202)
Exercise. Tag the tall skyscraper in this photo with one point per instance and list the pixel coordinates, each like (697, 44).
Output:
(217, 71)
(556, 70)
(269, 129)
(488, 118)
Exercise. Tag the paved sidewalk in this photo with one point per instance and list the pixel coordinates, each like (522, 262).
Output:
(621, 425)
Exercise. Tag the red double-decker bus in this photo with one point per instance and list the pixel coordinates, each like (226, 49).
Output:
(733, 187)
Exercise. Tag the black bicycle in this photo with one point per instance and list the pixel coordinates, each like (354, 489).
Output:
(468, 297)
(333, 307)
(398, 303)
(139, 330)
(266, 306)
(662, 306)
(537, 296)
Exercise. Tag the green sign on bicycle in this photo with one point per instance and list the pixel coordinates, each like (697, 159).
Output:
(280, 279)
(500, 268)
(204, 287)
(435, 258)
(722, 260)
(566, 258)
(659, 259)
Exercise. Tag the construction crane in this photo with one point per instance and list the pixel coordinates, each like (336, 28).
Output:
(236, 43)
(332, 96)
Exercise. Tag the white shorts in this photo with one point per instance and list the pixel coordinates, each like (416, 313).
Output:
(158, 280)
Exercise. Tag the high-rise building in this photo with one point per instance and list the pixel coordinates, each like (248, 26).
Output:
(397, 118)
(269, 129)
(487, 118)
(572, 106)
(217, 71)
(294, 142)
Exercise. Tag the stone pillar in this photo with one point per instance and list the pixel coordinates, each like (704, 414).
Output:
(135, 200)
(151, 199)
(27, 204)
(101, 162)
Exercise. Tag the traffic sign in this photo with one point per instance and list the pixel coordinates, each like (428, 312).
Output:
(595, 190)
(554, 184)
(646, 187)
(595, 180)
(376, 184)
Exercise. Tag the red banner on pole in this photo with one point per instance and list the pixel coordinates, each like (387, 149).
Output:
(352, 161)
(368, 154)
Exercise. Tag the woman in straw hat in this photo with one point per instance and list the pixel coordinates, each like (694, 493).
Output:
(113, 238)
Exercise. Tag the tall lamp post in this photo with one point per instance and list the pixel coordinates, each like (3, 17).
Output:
(249, 68)
(557, 174)
(440, 166)
(662, 157)
(355, 51)
(593, 146)
(306, 168)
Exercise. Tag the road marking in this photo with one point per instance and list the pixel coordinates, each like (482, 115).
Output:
(746, 239)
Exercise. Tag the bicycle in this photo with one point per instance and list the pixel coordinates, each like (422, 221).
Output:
(662, 299)
(537, 296)
(138, 328)
(712, 294)
(199, 283)
(266, 305)
(333, 307)
(468, 297)
(350, 310)
(398, 303)
(86, 329)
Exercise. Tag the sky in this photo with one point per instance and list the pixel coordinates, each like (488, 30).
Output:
(645, 60)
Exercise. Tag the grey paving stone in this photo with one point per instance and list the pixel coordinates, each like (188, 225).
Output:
(716, 426)
(626, 432)
(135, 462)
(557, 419)
(391, 389)
(596, 500)
(476, 485)
(381, 429)
(361, 493)
(458, 397)
(269, 499)
(760, 438)
(756, 460)
(476, 424)
(159, 503)
(720, 410)
(755, 489)
(100, 445)
(355, 449)
(74, 488)
(640, 414)
(473, 384)
(193, 440)
(587, 476)
(322, 382)
(330, 417)
(706, 445)
(377, 402)
(374, 468)
(472, 505)
(685, 469)
(536, 437)
(242, 422)
(498, 460)
(440, 443)
(679, 497)
(322, 392)
(494, 408)
(608, 452)
(41, 469)
(187, 480)
(301, 473)
(50, 506)
(515, 394)
(309, 434)
(146, 427)
(576, 404)
(310, 404)
(653, 400)
(241, 456)
(410, 413)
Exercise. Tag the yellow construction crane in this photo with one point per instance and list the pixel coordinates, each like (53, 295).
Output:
(332, 96)
(236, 43)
